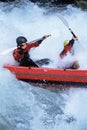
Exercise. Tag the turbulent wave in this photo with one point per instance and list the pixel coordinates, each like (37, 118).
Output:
(23, 106)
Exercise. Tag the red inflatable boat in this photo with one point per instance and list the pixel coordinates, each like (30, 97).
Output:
(48, 74)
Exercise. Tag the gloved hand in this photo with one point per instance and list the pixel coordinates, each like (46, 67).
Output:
(45, 36)
(21, 51)
(75, 38)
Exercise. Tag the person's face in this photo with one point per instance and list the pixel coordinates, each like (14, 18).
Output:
(23, 45)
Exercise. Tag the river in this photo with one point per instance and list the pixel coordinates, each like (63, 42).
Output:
(22, 105)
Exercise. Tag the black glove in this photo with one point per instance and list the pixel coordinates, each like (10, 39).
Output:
(21, 51)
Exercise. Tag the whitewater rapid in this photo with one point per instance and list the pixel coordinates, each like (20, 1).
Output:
(23, 106)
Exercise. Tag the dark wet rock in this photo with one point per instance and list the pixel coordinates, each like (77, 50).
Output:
(54, 1)
(81, 4)
(7, 0)
(46, 1)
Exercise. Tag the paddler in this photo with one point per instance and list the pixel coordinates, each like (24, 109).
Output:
(68, 45)
(21, 53)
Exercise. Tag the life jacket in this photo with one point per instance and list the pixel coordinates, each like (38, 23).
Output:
(67, 48)
(19, 53)
(17, 56)
(65, 51)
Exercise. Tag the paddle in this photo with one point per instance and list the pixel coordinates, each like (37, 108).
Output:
(67, 25)
(42, 62)
(11, 49)
(7, 51)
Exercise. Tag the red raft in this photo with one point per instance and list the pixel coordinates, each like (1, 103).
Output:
(48, 74)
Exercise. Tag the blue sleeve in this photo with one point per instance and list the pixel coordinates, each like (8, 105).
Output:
(39, 41)
(71, 42)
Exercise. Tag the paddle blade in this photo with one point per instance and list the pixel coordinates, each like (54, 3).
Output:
(63, 20)
(7, 51)
(44, 61)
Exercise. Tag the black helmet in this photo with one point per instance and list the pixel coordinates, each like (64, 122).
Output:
(21, 40)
